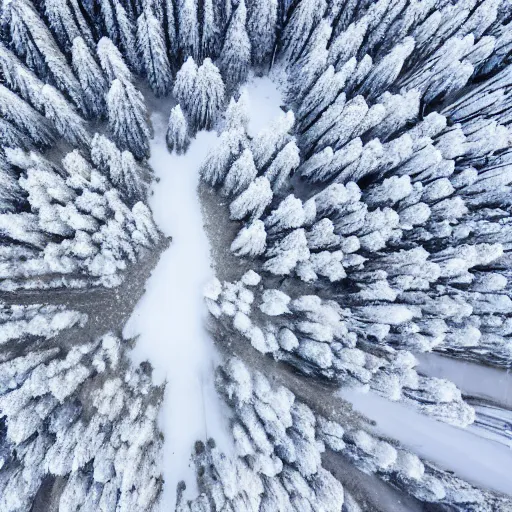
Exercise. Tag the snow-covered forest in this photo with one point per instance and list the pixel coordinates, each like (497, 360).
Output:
(255, 255)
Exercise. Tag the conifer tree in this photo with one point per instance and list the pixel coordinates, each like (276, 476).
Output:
(34, 42)
(91, 77)
(262, 29)
(112, 61)
(67, 23)
(128, 118)
(177, 136)
(188, 32)
(151, 45)
(209, 30)
(65, 119)
(235, 56)
(207, 99)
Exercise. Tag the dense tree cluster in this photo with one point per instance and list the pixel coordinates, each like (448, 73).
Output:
(372, 220)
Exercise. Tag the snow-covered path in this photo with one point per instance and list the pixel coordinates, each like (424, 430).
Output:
(169, 317)
(476, 459)
(168, 320)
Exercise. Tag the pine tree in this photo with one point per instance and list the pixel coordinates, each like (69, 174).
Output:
(91, 77)
(207, 99)
(184, 85)
(235, 56)
(262, 29)
(153, 52)
(120, 166)
(188, 34)
(209, 31)
(67, 23)
(20, 79)
(33, 41)
(25, 118)
(65, 119)
(251, 240)
(121, 30)
(252, 201)
(177, 136)
(128, 118)
(304, 18)
(112, 61)
(240, 175)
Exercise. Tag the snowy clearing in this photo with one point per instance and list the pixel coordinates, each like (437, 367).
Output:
(478, 460)
(168, 320)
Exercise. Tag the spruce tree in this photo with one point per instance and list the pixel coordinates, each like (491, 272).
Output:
(91, 77)
(153, 52)
(128, 118)
(262, 29)
(177, 136)
(235, 56)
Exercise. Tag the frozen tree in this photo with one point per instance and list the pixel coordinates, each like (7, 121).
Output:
(33, 41)
(112, 61)
(25, 118)
(304, 18)
(188, 32)
(251, 240)
(235, 56)
(120, 166)
(120, 30)
(91, 78)
(240, 175)
(184, 85)
(67, 22)
(253, 200)
(262, 29)
(20, 79)
(209, 30)
(153, 52)
(177, 136)
(127, 118)
(283, 166)
(65, 119)
(207, 98)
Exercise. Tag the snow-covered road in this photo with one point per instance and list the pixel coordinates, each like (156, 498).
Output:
(168, 320)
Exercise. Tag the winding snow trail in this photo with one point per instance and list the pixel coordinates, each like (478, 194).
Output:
(169, 318)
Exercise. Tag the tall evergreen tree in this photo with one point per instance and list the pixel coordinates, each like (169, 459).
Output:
(209, 30)
(177, 136)
(91, 77)
(68, 123)
(34, 42)
(25, 118)
(303, 20)
(188, 32)
(67, 23)
(121, 30)
(20, 79)
(207, 100)
(235, 57)
(112, 61)
(185, 82)
(153, 52)
(262, 29)
(128, 118)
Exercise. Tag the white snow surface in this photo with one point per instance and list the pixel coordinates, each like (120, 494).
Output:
(480, 461)
(169, 318)
(472, 379)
